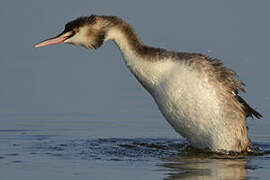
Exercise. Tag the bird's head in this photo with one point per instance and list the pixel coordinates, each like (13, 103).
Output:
(89, 32)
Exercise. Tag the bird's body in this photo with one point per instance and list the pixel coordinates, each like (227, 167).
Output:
(196, 94)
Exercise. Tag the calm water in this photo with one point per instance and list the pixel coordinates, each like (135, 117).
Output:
(69, 113)
(74, 146)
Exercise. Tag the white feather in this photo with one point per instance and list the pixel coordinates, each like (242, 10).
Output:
(184, 96)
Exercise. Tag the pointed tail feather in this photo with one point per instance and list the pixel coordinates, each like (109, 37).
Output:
(249, 110)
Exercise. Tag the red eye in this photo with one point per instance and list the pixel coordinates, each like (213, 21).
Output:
(72, 33)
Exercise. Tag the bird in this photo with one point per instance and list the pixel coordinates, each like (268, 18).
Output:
(197, 94)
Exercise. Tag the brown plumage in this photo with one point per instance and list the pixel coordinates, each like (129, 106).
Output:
(226, 77)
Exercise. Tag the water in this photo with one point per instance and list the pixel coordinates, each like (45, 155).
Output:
(69, 113)
(78, 146)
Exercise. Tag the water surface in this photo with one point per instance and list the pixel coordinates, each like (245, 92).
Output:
(70, 113)
(68, 149)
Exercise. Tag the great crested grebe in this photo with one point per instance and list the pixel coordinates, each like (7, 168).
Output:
(196, 94)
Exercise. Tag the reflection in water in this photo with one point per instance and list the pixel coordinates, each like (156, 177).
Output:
(205, 168)
(191, 164)
(174, 157)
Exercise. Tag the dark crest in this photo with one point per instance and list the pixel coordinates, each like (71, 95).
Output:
(81, 21)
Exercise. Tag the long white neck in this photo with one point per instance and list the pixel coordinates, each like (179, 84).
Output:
(148, 71)
(122, 41)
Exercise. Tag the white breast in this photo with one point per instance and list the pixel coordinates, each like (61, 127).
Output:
(184, 96)
(195, 107)
(186, 99)
(188, 104)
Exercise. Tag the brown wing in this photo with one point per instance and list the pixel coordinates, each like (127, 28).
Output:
(223, 75)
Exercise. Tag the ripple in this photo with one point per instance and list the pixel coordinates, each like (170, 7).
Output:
(12, 154)
(17, 161)
(113, 149)
(137, 149)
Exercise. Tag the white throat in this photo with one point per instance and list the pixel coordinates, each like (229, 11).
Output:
(148, 72)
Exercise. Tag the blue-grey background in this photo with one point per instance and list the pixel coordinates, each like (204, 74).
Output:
(72, 91)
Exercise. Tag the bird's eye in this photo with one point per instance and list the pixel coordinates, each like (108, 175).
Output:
(72, 33)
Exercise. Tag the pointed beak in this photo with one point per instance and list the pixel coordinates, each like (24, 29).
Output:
(60, 39)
